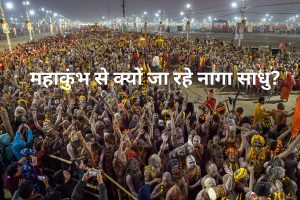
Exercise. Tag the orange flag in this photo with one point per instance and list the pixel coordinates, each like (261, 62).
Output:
(296, 120)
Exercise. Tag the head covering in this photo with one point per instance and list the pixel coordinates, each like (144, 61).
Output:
(231, 150)
(121, 105)
(5, 139)
(258, 137)
(28, 152)
(131, 154)
(220, 107)
(251, 196)
(59, 177)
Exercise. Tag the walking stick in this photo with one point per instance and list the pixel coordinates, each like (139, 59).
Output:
(6, 122)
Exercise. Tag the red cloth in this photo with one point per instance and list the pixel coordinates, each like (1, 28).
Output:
(211, 104)
(258, 84)
(287, 87)
(131, 154)
(136, 56)
(1, 66)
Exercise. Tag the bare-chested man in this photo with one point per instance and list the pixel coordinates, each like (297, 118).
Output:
(134, 177)
(179, 191)
(120, 161)
(279, 116)
(152, 172)
(194, 176)
(161, 189)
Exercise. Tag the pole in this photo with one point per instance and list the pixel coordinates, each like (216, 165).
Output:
(6, 33)
(160, 21)
(145, 27)
(60, 27)
(123, 8)
(51, 25)
(65, 26)
(108, 5)
(39, 27)
(188, 25)
(242, 19)
(124, 22)
(28, 19)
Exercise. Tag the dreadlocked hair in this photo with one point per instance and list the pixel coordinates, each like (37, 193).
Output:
(263, 189)
(276, 162)
(130, 166)
(171, 163)
(275, 173)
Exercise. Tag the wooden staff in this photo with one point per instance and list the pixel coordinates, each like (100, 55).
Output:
(6, 122)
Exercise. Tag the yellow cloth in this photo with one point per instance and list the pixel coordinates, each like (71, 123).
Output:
(259, 113)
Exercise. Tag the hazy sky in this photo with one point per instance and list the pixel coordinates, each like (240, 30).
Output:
(91, 10)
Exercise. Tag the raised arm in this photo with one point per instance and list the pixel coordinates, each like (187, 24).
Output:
(165, 138)
(291, 147)
(180, 115)
(243, 144)
(173, 140)
(251, 180)
(85, 146)
(93, 126)
(58, 119)
(29, 133)
(18, 134)
(284, 134)
(35, 121)
(151, 129)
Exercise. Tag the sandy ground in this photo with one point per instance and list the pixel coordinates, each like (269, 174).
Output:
(246, 101)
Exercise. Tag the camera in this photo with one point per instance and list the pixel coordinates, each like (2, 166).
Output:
(93, 173)
(41, 178)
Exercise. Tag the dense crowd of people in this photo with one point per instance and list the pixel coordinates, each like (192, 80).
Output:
(152, 140)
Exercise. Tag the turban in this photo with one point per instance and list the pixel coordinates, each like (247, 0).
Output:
(231, 150)
(131, 154)
(258, 137)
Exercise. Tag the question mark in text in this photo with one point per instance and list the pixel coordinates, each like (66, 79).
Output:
(276, 75)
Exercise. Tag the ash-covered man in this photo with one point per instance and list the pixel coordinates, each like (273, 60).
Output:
(152, 172)
(179, 191)
(194, 176)
(134, 177)
(161, 189)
